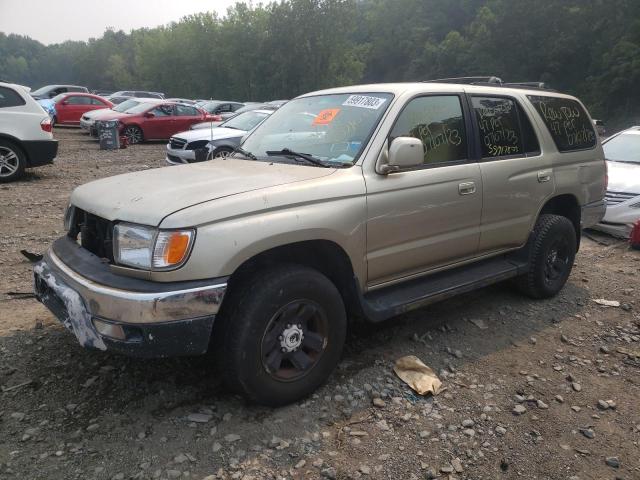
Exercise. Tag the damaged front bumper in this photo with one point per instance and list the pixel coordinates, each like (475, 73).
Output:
(126, 315)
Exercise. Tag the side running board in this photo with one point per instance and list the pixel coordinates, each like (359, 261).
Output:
(385, 303)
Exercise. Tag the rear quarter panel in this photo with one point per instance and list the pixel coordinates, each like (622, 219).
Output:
(580, 173)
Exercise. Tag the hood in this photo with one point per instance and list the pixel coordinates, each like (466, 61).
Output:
(623, 177)
(148, 196)
(209, 134)
(197, 126)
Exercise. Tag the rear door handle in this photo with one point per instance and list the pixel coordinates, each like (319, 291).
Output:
(544, 176)
(467, 188)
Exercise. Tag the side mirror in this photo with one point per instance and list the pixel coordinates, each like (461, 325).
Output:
(149, 115)
(404, 152)
(64, 102)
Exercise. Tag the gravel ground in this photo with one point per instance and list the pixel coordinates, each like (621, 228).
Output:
(533, 389)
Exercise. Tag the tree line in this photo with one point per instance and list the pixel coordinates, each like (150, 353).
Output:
(590, 48)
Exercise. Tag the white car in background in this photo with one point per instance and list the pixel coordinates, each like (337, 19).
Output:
(622, 152)
(219, 141)
(25, 133)
(88, 120)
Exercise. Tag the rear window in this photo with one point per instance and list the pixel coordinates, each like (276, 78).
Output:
(567, 122)
(10, 98)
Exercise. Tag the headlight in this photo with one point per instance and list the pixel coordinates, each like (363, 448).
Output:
(149, 248)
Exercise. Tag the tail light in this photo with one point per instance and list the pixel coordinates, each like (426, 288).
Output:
(634, 238)
(45, 125)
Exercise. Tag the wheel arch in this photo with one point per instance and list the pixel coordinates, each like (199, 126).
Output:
(16, 141)
(326, 256)
(565, 205)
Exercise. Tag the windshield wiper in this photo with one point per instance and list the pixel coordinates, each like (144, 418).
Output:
(244, 152)
(304, 156)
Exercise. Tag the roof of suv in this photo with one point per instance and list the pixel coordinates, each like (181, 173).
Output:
(421, 87)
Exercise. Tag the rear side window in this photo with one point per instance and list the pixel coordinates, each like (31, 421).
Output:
(10, 98)
(439, 123)
(567, 121)
(185, 111)
(505, 130)
(77, 100)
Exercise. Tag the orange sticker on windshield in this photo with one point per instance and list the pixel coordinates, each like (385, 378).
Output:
(325, 117)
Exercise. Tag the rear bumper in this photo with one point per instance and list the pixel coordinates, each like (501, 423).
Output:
(135, 317)
(592, 213)
(40, 152)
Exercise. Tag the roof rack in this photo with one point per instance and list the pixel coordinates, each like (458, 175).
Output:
(492, 81)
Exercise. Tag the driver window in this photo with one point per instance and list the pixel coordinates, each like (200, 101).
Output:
(438, 122)
(163, 111)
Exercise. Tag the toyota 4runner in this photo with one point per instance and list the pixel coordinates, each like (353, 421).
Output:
(365, 201)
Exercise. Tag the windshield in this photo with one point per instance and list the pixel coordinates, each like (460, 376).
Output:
(126, 105)
(141, 108)
(42, 90)
(332, 128)
(245, 121)
(623, 148)
(210, 107)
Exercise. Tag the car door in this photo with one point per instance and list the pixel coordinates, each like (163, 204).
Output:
(428, 217)
(517, 178)
(186, 116)
(160, 124)
(73, 107)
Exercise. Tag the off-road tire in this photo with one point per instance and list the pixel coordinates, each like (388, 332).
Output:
(16, 161)
(552, 250)
(243, 324)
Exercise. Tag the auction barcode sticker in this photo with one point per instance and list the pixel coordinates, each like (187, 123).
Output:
(364, 101)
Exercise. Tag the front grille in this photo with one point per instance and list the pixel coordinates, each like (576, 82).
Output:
(177, 143)
(96, 233)
(613, 198)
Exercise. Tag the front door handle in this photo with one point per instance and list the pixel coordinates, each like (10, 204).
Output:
(544, 176)
(467, 188)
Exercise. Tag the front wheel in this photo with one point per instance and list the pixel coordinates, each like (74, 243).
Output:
(133, 134)
(221, 152)
(284, 330)
(552, 252)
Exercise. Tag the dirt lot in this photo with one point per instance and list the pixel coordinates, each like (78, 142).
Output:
(527, 382)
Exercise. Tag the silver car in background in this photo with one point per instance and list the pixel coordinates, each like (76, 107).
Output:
(622, 152)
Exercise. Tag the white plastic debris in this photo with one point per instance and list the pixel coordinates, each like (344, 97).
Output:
(607, 303)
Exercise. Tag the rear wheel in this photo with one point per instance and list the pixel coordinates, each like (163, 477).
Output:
(12, 162)
(552, 252)
(133, 134)
(284, 330)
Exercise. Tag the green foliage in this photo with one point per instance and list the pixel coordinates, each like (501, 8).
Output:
(590, 48)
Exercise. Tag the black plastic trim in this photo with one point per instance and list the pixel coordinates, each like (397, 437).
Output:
(161, 340)
(40, 152)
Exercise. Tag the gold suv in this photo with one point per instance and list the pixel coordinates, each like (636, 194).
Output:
(364, 201)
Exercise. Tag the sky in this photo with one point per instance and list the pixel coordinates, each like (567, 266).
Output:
(54, 21)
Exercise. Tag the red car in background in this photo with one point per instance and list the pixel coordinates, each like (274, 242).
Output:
(159, 121)
(69, 107)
